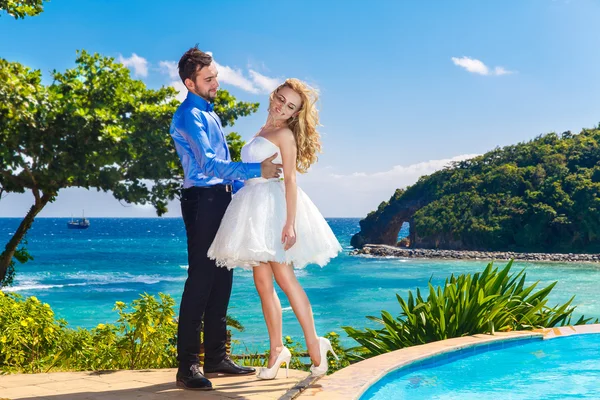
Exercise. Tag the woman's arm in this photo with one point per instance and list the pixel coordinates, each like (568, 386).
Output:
(287, 145)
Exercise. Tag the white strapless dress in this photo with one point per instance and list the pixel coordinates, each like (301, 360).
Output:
(250, 232)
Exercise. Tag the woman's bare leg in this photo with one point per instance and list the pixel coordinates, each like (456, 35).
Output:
(286, 279)
(271, 307)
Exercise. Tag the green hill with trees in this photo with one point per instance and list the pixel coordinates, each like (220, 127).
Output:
(538, 196)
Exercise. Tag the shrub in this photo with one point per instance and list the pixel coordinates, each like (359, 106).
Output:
(483, 303)
(32, 340)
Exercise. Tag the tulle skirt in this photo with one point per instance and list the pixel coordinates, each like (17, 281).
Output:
(250, 232)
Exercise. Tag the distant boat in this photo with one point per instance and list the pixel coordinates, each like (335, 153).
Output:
(81, 223)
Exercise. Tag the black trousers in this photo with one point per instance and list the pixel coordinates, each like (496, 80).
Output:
(208, 287)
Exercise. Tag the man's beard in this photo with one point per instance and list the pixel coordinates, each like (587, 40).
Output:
(205, 95)
(208, 96)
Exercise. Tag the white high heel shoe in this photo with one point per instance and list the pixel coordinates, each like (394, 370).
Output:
(324, 347)
(270, 373)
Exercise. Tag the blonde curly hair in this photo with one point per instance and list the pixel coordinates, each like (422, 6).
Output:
(304, 124)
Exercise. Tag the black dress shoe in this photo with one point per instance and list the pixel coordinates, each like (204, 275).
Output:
(193, 379)
(228, 367)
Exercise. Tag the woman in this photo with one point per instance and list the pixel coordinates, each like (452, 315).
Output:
(272, 227)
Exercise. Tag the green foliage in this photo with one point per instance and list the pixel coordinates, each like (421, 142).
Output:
(22, 256)
(229, 109)
(146, 332)
(29, 333)
(235, 324)
(32, 340)
(22, 8)
(542, 195)
(298, 354)
(342, 353)
(141, 338)
(144, 336)
(465, 305)
(235, 144)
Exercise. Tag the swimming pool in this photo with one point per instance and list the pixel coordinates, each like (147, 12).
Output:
(564, 367)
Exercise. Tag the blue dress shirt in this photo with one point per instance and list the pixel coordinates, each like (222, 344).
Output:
(202, 147)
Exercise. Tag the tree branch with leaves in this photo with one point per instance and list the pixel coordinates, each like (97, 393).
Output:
(22, 8)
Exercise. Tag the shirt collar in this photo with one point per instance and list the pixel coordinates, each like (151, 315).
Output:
(200, 102)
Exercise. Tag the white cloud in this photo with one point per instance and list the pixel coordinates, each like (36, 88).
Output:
(169, 68)
(180, 87)
(137, 63)
(478, 67)
(235, 77)
(471, 65)
(362, 192)
(264, 82)
(501, 71)
(256, 82)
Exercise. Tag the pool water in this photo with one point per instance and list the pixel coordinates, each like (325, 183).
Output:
(561, 368)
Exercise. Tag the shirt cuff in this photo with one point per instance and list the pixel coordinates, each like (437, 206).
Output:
(253, 170)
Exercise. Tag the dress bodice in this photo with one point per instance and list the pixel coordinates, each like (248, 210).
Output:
(258, 149)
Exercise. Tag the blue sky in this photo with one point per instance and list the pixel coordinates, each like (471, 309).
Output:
(405, 85)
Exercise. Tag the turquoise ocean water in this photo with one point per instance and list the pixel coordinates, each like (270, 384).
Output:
(82, 273)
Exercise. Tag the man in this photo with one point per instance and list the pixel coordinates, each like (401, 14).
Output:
(210, 178)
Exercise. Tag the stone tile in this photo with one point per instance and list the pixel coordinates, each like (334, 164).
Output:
(113, 378)
(127, 395)
(66, 376)
(264, 396)
(154, 377)
(130, 385)
(26, 392)
(180, 394)
(77, 385)
(21, 380)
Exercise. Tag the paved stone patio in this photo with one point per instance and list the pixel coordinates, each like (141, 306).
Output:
(144, 384)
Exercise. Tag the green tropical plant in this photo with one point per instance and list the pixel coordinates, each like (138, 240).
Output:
(465, 305)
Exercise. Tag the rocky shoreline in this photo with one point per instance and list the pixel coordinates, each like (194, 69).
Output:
(379, 250)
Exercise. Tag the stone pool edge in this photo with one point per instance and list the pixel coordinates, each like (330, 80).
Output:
(353, 381)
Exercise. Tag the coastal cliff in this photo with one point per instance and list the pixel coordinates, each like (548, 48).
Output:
(538, 196)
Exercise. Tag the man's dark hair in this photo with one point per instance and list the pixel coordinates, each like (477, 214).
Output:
(191, 62)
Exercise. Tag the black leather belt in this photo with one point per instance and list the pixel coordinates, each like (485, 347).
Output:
(220, 187)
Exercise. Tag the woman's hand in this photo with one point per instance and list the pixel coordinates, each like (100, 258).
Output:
(288, 236)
